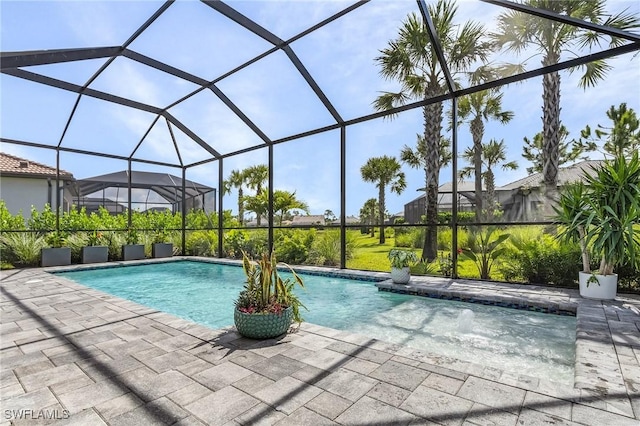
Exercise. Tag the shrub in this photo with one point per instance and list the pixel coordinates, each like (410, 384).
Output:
(22, 247)
(292, 246)
(202, 243)
(444, 239)
(326, 248)
(404, 240)
(542, 260)
(9, 222)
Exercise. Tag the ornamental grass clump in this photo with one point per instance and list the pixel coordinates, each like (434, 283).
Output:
(265, 291)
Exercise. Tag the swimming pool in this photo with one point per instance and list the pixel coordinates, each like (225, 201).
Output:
(523, 342)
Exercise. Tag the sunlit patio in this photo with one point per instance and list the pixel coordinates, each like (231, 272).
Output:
(74, 353)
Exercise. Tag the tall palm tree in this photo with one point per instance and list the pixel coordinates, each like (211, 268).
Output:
(236, 180)
(256, 177)
(477, 108)
(493, 154)
(518, 31)
(411, 60)
(384, 171)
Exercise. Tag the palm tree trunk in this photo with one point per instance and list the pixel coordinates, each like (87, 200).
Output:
(477, 131)
(240, 207)
(550, 131)
(381, 212)
(491, 193)
(432, 130)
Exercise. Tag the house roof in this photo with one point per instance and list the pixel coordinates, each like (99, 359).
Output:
(10, 165)
(568, 174)
(313, 219)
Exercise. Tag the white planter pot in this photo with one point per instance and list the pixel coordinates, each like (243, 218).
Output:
(400, 275)
(604, 289)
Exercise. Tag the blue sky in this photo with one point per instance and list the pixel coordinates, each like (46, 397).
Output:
(194, 37)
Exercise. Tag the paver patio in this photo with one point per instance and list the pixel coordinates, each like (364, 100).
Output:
(89, 358)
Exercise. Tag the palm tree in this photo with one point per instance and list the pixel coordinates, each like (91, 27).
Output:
(383, 171)
(476, 109)
(284, 202)
(568, 151)
(518, 31)
(236, 180)
(368, 214)
(493, 154)
(411, 60)
(256, 176)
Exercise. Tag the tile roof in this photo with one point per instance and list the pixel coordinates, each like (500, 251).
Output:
(572, 173)
(11, 165)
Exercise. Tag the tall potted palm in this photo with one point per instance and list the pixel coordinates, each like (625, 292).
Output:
(603, 215)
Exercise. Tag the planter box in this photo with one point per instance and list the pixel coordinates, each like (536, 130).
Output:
(161, 250)
(94, 254)
(133, 251)
(263, 326)
(55, 256)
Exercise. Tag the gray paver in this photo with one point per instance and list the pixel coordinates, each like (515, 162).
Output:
(260, 415)
(547, 404)
(276, 367)
(161, 411)
(222, 406)
(288, 394)
(493, 394)
(437, 406)
(593, 417)
(483, 415)
(222, 375)
(119, 405)
(304, 416)
(532, 417)
(371, 411)
(347, 384)
(401, 375)
(328, 405)
(443, 383)
(390, 394)
(253, 383)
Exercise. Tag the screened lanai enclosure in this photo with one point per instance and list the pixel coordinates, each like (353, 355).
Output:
(481, 104)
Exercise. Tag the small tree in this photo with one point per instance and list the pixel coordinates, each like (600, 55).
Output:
(384, 171)
(622, 139)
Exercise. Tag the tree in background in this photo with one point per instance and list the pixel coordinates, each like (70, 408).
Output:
(384, 171)
(411, 60)
(369, 214)
(284, 202)
(493, 154)
(477, 108)
(568, 151)
(622, 139)
(236, 180)
(518, 31)
(256, 176)
(329, 217)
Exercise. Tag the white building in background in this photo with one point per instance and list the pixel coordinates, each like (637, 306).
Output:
(25, 183)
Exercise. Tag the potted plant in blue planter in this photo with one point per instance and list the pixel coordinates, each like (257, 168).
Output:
(267, 305)
(132, 250)
(56, 254)
(97, 250)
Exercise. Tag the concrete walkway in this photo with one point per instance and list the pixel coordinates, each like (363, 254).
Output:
(83, 357)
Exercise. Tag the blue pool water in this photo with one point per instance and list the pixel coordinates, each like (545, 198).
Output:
(530, 343)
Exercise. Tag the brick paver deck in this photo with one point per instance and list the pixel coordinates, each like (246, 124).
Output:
(89, 358)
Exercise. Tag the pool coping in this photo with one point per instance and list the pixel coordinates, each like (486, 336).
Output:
(606, 331)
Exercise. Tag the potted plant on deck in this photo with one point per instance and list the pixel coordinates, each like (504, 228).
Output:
(55, 254)
(266, 306)
(603, 215)
(97, 250)
(160, 246)
(132, 250)
(401, 261)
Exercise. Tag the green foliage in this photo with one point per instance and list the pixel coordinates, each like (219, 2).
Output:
(541, 260)
(22, 248)
(400, 258)
(9, 222)
(252, 242)
(44, 220)
(75, 242)
(132, 236)
(326, 248)
(293, 246)
(444, 239)
(445, 264)
(404, 240)
(487, 250)
(265, 290)
(202, 243)
(56, 239)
